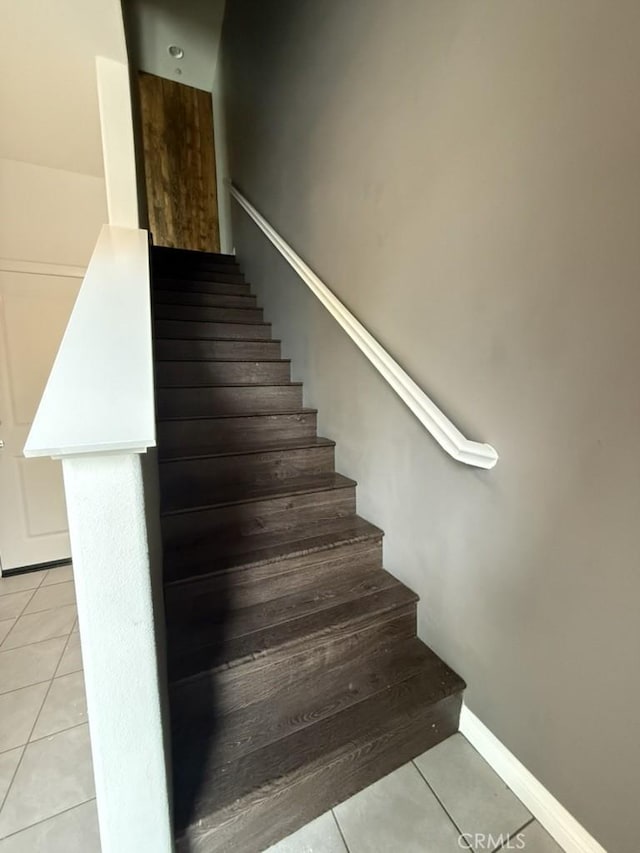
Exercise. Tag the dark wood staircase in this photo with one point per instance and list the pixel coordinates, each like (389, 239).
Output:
(296, 676)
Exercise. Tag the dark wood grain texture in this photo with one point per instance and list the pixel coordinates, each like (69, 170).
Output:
(296, 677)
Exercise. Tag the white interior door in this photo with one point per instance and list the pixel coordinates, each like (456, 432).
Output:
(34, 310)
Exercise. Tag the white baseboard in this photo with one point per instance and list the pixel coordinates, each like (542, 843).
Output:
(563, 827)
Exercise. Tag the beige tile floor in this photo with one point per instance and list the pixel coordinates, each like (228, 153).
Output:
(446, 800)
(46, 779)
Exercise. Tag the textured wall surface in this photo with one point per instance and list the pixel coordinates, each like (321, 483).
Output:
(465, 176)
(120, 612)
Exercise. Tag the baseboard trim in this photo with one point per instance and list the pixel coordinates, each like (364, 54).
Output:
(35, 567)
(562, 826)
(40, 268)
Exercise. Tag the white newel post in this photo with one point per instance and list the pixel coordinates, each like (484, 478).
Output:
(121, 648)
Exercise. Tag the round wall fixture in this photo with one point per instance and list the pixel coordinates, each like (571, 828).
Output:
(175, 51)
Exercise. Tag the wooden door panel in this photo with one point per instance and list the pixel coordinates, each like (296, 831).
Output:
(179, 161)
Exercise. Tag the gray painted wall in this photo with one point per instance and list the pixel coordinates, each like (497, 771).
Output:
(466, 177)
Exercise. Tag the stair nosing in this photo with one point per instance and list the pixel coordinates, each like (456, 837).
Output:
(233, 385)
(159, 301)
(291, 645)
(178, 289)
(320, 606)
(302, 411)
(309, 442)
(310, 489)
(214, 338)
(222, 360)
(230, 812)
(156, 278)
(306, 723)
(212, 307)
(375, 533)
(240, 322)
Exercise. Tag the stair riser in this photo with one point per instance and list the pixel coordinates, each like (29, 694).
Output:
(212, 300)
(186, 268)
(242, 432)
(269, 819)
(260, 516)
(182, 285)
(207, 314)
(237, 590)
(232, 400)
(327, 691)
(189, 619)
(187, 264)
(268, 574)
(181, 476)
(267, 580)
(189, 257)
(185, 329)
(253, 678)
(228, 350)
(178, 373)
(215, 273)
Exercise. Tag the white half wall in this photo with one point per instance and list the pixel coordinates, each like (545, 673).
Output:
(118, 613)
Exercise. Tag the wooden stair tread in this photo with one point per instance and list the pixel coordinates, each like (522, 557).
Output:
(171, 252)
(303, 410)
(206, 288)
(204, 276)
(257, 642)
(245, 493)
(237, 792)
(243, 322)
(164, 337)
(192, 615)
(303, 701)
(224, 360)
(295, 674)
(286, 384)
(207, 451)
(213, 300)
(209, 556)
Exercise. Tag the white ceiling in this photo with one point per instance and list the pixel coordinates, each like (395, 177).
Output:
(193, 25)
(48, 97)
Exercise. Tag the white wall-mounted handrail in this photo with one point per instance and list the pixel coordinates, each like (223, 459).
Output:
(430, 416)
(99, 397)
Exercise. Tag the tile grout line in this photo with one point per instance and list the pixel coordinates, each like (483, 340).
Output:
(66, 646)
(45, 819)
(36, 642)
(49, 734)
(24, 748)
(34, 612)
(57, 583)
(13, 775)
(512, 835)
(62, 731)
(33, 588)
(344, 840)
(25, 686)
(47, 609)
(442, 805)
